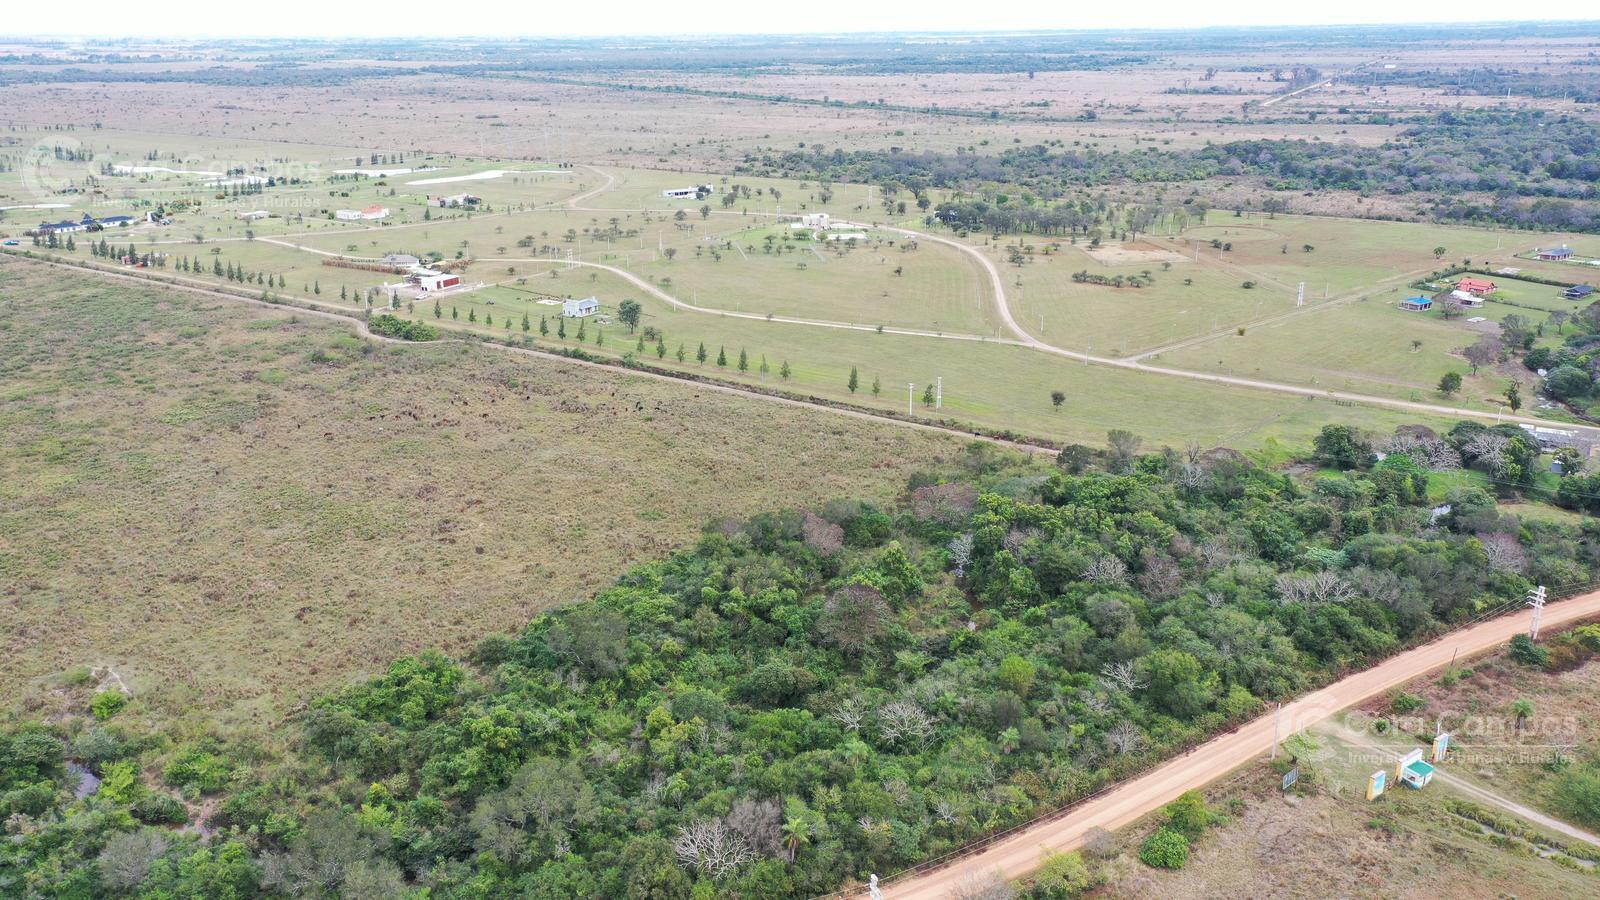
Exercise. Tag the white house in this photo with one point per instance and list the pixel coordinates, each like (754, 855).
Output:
(254, 215)
(438, 282)
(688, 193)
(1466, 299)
(577, 309)
(815, 220)
(401, 260)
(372, 212)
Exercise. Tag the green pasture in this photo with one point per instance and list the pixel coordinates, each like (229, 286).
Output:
(1363, 346)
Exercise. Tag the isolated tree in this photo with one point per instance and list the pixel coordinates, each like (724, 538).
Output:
(1522, 708)
(1122, 446)
(783, 371)
(561, 328)
(744, 360)
(1057, 398)
(628, 311)
(877, 386)
(722, 356)
(700, 356)
(1439, 252)
(544, 326)
(1450, 383)
(681, 353)
(1514, 396)
(927, 395)
(1482, 353)
(855, 380)
(1342, 446)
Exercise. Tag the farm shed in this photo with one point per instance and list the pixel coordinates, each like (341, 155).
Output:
(1578, 292)
(438, 281)
(1417, 304)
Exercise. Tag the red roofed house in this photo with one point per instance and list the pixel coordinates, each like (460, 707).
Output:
(1478, 286)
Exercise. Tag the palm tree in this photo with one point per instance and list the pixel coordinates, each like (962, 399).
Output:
(1522, 708)
(796, 831)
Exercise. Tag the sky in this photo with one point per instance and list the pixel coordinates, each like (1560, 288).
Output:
(507, 18)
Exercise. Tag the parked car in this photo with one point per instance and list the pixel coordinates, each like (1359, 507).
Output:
(11, 243)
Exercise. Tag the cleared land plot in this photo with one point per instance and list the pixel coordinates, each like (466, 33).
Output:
(1346, 254)
(1364, 346)
(1117, 321)
(209, 497)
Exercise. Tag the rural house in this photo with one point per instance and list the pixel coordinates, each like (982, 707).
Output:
(1578, 292)
(689, 193)
(577, 309)
(1417, 304)
(1478, 286)
(438, 281)
(1556, 254)
(372, 212)
(1466, 299)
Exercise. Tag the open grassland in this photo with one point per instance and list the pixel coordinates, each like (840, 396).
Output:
(1183, 299)
(741, 260)
(235, 508)
(1364, 346)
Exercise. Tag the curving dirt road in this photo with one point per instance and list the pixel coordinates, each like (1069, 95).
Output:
(1019, 854)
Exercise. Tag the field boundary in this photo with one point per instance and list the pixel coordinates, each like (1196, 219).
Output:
(1025, 443)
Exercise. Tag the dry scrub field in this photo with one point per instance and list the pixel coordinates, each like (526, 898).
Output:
(236, 508)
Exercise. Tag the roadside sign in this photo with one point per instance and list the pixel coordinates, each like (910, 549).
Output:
(1375, 783)
(1290, 777)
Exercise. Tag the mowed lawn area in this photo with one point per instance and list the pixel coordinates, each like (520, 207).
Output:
(238, 508)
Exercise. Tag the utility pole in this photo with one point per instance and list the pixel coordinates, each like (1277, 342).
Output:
(1536, 600)
(910, 393)
(938, 393)
(1276, 714)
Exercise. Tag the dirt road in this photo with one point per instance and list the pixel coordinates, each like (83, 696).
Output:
(1019, 853)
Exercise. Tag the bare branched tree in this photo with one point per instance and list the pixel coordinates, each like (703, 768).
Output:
(961, 553)
(1316, 589)
(902, 722)
(1489, 450)
(1504, 552)
(1121, 676)
(712, 848)
(1124, 737)
(848, 714)
(1107, 569)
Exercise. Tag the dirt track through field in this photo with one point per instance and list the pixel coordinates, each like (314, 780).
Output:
(1019, 853)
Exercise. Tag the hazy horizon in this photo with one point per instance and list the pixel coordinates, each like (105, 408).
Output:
(298, 19)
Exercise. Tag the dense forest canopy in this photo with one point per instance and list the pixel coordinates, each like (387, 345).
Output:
(805, 698)
(1525, 169)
